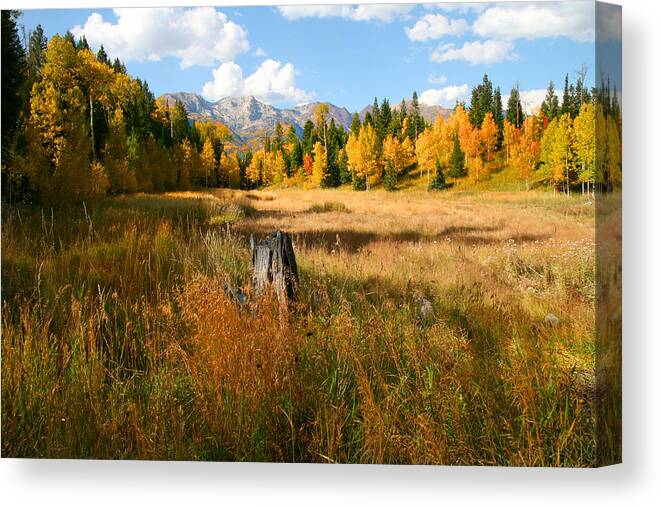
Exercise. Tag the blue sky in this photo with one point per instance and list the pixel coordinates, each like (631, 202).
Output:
(342, 54)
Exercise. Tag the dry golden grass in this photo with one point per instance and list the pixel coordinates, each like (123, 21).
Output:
(119, 340)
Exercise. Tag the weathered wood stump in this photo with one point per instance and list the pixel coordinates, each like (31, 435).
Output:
(274, 266)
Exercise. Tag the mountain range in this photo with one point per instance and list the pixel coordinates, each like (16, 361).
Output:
(247, 117)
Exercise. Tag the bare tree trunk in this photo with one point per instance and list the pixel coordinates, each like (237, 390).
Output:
(92, 126)
(274, 266)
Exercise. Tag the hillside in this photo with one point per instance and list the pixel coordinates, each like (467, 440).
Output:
(429, 113)
(247, 117)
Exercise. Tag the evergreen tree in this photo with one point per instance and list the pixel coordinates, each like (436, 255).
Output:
(368, 119)
(566, 98)
(457, 160)
(550, 107)
(515, 114)
(180, 126)
(68, 36)
(417, 122)
(390, 177)
(13, 76)
(36, 56)
(355, 124)
(102, 56)
(385, 118)
(309, 137)
(438, 183)
(497, 111)
(14, 100)
(118, 66)
(277, 138)
(343, 167)
(82, 43)
(375, 114)
(296, 158)
(481, 101)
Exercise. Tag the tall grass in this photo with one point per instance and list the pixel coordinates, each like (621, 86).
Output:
(118, 339)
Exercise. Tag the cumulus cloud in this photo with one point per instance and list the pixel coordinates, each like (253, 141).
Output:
(372, 12)
(446, 96)
(476, 52)
(433, 79)
(461, 7)
(435, 26)
(531, 100)
(574, 20)
(198, 36)
(271, 82)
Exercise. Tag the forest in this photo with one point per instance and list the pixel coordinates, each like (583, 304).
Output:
(76, 127)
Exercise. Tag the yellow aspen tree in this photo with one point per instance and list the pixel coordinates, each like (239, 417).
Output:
(527, 150)
(510, 138)
(489, 135)
(425, 152)
(614, 145)
(584, 139)
(254, 169)
(279, 168)
(319, 166)
(186, 164)
(121, 178)
(208, 160)
(362, 155)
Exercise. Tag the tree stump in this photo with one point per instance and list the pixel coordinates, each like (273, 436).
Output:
(274, 266)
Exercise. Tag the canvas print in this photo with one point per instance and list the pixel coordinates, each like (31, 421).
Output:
(371, 233)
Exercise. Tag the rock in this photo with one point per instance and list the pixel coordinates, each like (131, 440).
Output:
(426, 311)
(551, 320)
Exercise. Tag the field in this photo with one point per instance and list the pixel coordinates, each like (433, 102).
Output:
(118, 340)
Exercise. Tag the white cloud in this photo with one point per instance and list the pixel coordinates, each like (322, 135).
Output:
(446, 96)
(260, 53)
(574, 20)
(271, 82)
(531, 100)
(366, 12)
(461, 7)
(476, 52)
(433, 79)
(435, 26)
(198, 36)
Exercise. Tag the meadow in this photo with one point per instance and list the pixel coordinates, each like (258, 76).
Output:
(119, 341)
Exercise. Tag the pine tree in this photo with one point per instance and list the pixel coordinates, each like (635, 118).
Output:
(481, 101)
(438, 183)
(457, 160)
(417, 123)
(390, 177)
(13, 76)
(550, 107)
(497, 111)
(277, 137)
(343, 167)
(36, 56)
(82, 44)
(102, 56)
(118, 66)
(180, 126)
(355, 124)
(566, 98)
(309, 137)
(515, 114)
(385, 118)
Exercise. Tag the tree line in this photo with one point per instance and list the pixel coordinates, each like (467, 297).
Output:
(76, 126)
